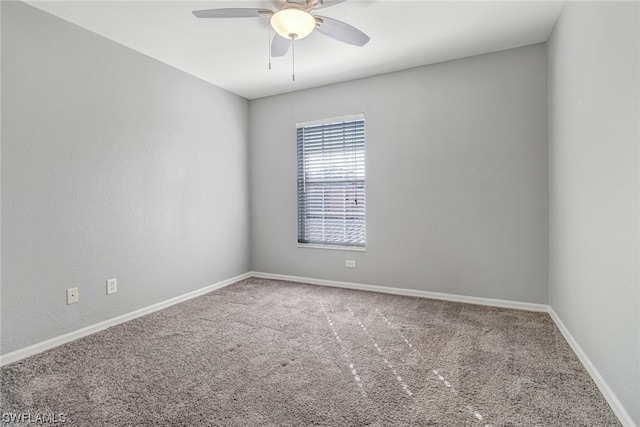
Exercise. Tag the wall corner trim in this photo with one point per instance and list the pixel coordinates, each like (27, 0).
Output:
(34, 349)
(609, 395)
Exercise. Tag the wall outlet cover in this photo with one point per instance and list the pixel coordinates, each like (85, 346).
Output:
(112, 286)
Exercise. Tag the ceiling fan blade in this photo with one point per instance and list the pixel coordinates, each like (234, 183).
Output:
(340, 31)
(279, 45)
(322, 4)
(233, 13)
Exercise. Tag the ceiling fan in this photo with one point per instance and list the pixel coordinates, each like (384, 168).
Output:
(293, 20)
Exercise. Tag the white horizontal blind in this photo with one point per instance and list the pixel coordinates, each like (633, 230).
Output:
(331, 183)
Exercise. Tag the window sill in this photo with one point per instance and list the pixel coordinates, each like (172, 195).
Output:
(339, 248)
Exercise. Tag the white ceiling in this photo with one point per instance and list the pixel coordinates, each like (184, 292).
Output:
(233, 53)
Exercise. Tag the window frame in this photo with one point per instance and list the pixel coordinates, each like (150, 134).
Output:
(328, 121)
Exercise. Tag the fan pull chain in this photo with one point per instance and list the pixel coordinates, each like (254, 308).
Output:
(293, 59)
(269, 45)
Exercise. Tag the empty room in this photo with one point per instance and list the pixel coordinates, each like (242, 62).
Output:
(320, 213)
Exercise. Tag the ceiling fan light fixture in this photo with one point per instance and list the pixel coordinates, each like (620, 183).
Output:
(293, 23)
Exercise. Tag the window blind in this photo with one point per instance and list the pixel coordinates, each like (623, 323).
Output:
(331, 183)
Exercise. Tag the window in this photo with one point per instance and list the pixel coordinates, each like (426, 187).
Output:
(331, 183)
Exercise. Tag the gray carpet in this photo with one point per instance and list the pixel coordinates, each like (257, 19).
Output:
(274, 353)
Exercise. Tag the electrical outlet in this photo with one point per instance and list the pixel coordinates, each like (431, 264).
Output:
(351, 263)
(112, 286)
(72, 296)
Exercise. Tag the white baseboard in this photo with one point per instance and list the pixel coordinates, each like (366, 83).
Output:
(31, 350)
(609, 395)
(408, 292)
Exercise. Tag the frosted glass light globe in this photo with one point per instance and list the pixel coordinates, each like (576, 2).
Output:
(293, 23)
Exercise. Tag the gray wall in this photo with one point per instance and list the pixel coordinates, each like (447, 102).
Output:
(113, 165)
(457, 189)
(594, 187)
